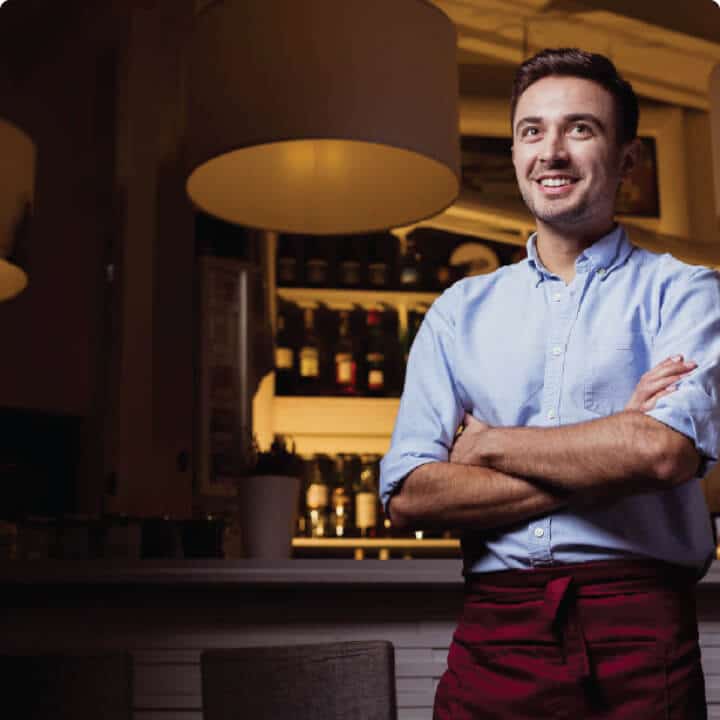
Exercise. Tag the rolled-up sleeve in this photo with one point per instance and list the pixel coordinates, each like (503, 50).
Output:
(690, 325)
(430, 407)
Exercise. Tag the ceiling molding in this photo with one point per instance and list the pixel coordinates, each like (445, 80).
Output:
(662, 64)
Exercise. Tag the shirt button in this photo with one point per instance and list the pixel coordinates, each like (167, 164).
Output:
(539, 532)
(601, 272)
(557, 350)
(551, 415)
(557, 297)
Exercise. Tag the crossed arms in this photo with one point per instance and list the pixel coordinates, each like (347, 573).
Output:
(499, 476)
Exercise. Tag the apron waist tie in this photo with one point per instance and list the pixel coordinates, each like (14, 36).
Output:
(560, 612)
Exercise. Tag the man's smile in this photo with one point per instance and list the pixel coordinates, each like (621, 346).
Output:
(556, 184)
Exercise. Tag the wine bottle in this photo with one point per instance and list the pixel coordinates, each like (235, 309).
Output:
(410, 265)
(316, 499)
(378, 265)
(414, 320)
(366, 497)
(316, 263)
(349, 265)
(375, 354)
(285, 366)
(309, 360)
(287, 261)
(345, 358)
(340, 521)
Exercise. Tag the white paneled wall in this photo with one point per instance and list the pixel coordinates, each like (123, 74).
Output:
(168, 687)
(167, 682)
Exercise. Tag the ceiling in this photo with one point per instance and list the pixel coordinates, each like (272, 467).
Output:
(667, 50)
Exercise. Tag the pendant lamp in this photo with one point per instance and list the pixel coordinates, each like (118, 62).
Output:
(715, 132)
(322, 116)
(17, 182)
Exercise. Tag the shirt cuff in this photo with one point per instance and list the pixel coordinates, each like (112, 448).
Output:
(394, 468)
(700, 427)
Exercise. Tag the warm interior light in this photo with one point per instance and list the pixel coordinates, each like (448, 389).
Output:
(13, 280)
(17, 181)
(322, 186)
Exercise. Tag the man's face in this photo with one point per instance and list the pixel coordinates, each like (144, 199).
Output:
(567, 160)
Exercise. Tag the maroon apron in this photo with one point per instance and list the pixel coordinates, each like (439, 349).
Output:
(607, 640)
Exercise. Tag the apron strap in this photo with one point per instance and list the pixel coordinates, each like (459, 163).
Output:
(560, 612)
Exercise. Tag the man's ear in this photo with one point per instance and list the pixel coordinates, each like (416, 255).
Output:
(630, 156)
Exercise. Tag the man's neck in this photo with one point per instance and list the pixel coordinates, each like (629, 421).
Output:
(559, 249)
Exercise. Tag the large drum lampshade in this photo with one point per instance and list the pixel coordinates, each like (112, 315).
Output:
(323, 116)
(17, 181)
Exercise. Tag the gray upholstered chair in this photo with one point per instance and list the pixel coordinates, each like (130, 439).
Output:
(90, 686)
(330, 681)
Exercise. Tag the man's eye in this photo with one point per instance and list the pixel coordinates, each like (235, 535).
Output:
(581, 129)
(529, 131)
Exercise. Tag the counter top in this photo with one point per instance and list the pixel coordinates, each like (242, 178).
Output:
(398, 573)
(235, 572)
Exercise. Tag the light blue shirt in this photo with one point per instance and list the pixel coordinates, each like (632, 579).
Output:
(519, 347)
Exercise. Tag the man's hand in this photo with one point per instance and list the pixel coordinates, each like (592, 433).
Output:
(658, 382)
(462, 449)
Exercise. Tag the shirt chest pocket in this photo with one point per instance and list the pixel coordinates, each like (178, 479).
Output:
(613, 369)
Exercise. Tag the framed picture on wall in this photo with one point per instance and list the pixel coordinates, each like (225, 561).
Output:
(639, 193)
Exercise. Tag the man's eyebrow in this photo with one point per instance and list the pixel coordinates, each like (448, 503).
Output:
(574, 117)
(530, 120)
(588, 117)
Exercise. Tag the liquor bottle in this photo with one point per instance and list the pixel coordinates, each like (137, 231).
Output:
(366, 497)
(393, 351)
(288, 274)
(345, 358)
(316, 499)
(374, 355)
(410, 264)
(316, 262)
(442, 274)
(378, 261)
(285, 367)
(340, 520)
(349, 262)
(309, 360)
(414, 320)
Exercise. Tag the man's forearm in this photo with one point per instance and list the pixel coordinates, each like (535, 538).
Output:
(610, 457)
(451, 495)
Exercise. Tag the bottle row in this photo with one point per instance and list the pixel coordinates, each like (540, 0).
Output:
(340, 499)
(422, 260)
(319, 351)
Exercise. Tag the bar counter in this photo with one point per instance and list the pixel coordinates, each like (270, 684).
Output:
(445, 573)
(166, 612)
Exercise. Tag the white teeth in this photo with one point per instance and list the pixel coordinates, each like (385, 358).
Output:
(555, 182)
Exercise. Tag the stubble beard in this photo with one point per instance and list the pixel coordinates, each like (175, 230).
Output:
(556, 212)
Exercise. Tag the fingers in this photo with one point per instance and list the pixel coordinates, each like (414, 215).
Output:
(659, 379)
(671, 366)
(650, 388)
(650, 404)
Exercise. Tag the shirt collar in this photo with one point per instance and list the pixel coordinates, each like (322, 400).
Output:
(604, 255)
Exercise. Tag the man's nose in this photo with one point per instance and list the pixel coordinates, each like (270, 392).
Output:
(553, 149)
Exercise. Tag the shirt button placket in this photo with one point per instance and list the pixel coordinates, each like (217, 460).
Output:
(559, 318)
(539, 542)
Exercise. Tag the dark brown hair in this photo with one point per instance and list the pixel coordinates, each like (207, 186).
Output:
(591, 66)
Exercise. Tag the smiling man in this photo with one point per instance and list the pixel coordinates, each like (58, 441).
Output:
(585, 380)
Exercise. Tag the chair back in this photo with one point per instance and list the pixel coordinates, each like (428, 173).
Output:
(330, 681)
